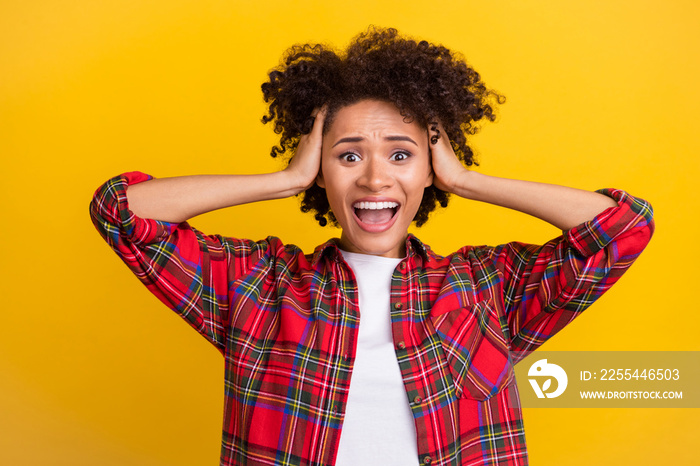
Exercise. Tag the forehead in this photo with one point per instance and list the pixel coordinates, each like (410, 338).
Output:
(372, 116)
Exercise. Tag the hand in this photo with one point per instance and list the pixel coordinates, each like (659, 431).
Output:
(306, 163)
(447, 168)
(563, 207)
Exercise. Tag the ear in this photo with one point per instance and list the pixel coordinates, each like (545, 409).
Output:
(320, 181)
(429, 179)
(431, 175)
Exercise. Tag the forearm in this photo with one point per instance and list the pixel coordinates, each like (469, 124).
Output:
(561, 206)
(181, 198)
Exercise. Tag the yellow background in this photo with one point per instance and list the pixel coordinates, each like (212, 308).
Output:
(94, 370)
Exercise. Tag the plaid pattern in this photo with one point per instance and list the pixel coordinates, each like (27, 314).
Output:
(287, 326)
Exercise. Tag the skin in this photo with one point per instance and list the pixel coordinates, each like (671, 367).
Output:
(375, 172)
(371, 154)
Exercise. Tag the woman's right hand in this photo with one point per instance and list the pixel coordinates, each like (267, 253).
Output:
(180, 198)
(306, 162)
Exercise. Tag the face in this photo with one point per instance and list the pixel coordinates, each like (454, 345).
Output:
(374, 168)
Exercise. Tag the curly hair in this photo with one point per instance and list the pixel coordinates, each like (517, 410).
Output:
(426, 82)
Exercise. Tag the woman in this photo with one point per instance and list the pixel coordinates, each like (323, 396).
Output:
(373, 349)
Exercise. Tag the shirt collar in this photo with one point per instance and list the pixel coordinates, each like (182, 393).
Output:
(331, 251)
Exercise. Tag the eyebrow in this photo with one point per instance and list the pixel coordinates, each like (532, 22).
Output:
(388, 138)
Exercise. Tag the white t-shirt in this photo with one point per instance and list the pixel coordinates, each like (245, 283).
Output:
(378, 428)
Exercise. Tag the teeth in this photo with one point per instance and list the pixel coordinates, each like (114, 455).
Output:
(375, 205)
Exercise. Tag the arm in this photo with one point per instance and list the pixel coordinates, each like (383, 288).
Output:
(181, 198)
(561, 206)
(188, 271)
(541, 288)
(545, 287)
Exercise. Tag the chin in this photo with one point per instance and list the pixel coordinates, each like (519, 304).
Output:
(376, 244)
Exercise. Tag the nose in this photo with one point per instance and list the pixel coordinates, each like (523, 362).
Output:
(375, 175)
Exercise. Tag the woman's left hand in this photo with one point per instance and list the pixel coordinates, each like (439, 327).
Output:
(561, 206)
(447, 168)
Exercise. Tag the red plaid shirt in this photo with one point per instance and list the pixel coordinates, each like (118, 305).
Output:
(287, 325)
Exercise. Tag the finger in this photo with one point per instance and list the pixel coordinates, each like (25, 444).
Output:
(322, 109)
(319, 115)
(433, 132)
(437, 133)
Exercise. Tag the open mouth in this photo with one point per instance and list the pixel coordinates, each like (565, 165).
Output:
(375, 216)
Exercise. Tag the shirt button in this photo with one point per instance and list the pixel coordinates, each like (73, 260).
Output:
(401, 345)
(417, 400)
(402, 266)
(427, 460)
(398, 306)
(346, 356)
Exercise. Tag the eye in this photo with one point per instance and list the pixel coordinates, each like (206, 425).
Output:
(350, 157)
(399, 156)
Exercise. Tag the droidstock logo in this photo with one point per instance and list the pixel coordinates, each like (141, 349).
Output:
(542, 369)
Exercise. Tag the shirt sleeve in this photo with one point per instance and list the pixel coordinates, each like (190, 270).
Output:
(188, 271)
(546, 287)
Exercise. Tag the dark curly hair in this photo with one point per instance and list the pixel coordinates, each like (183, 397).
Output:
(426, 82)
